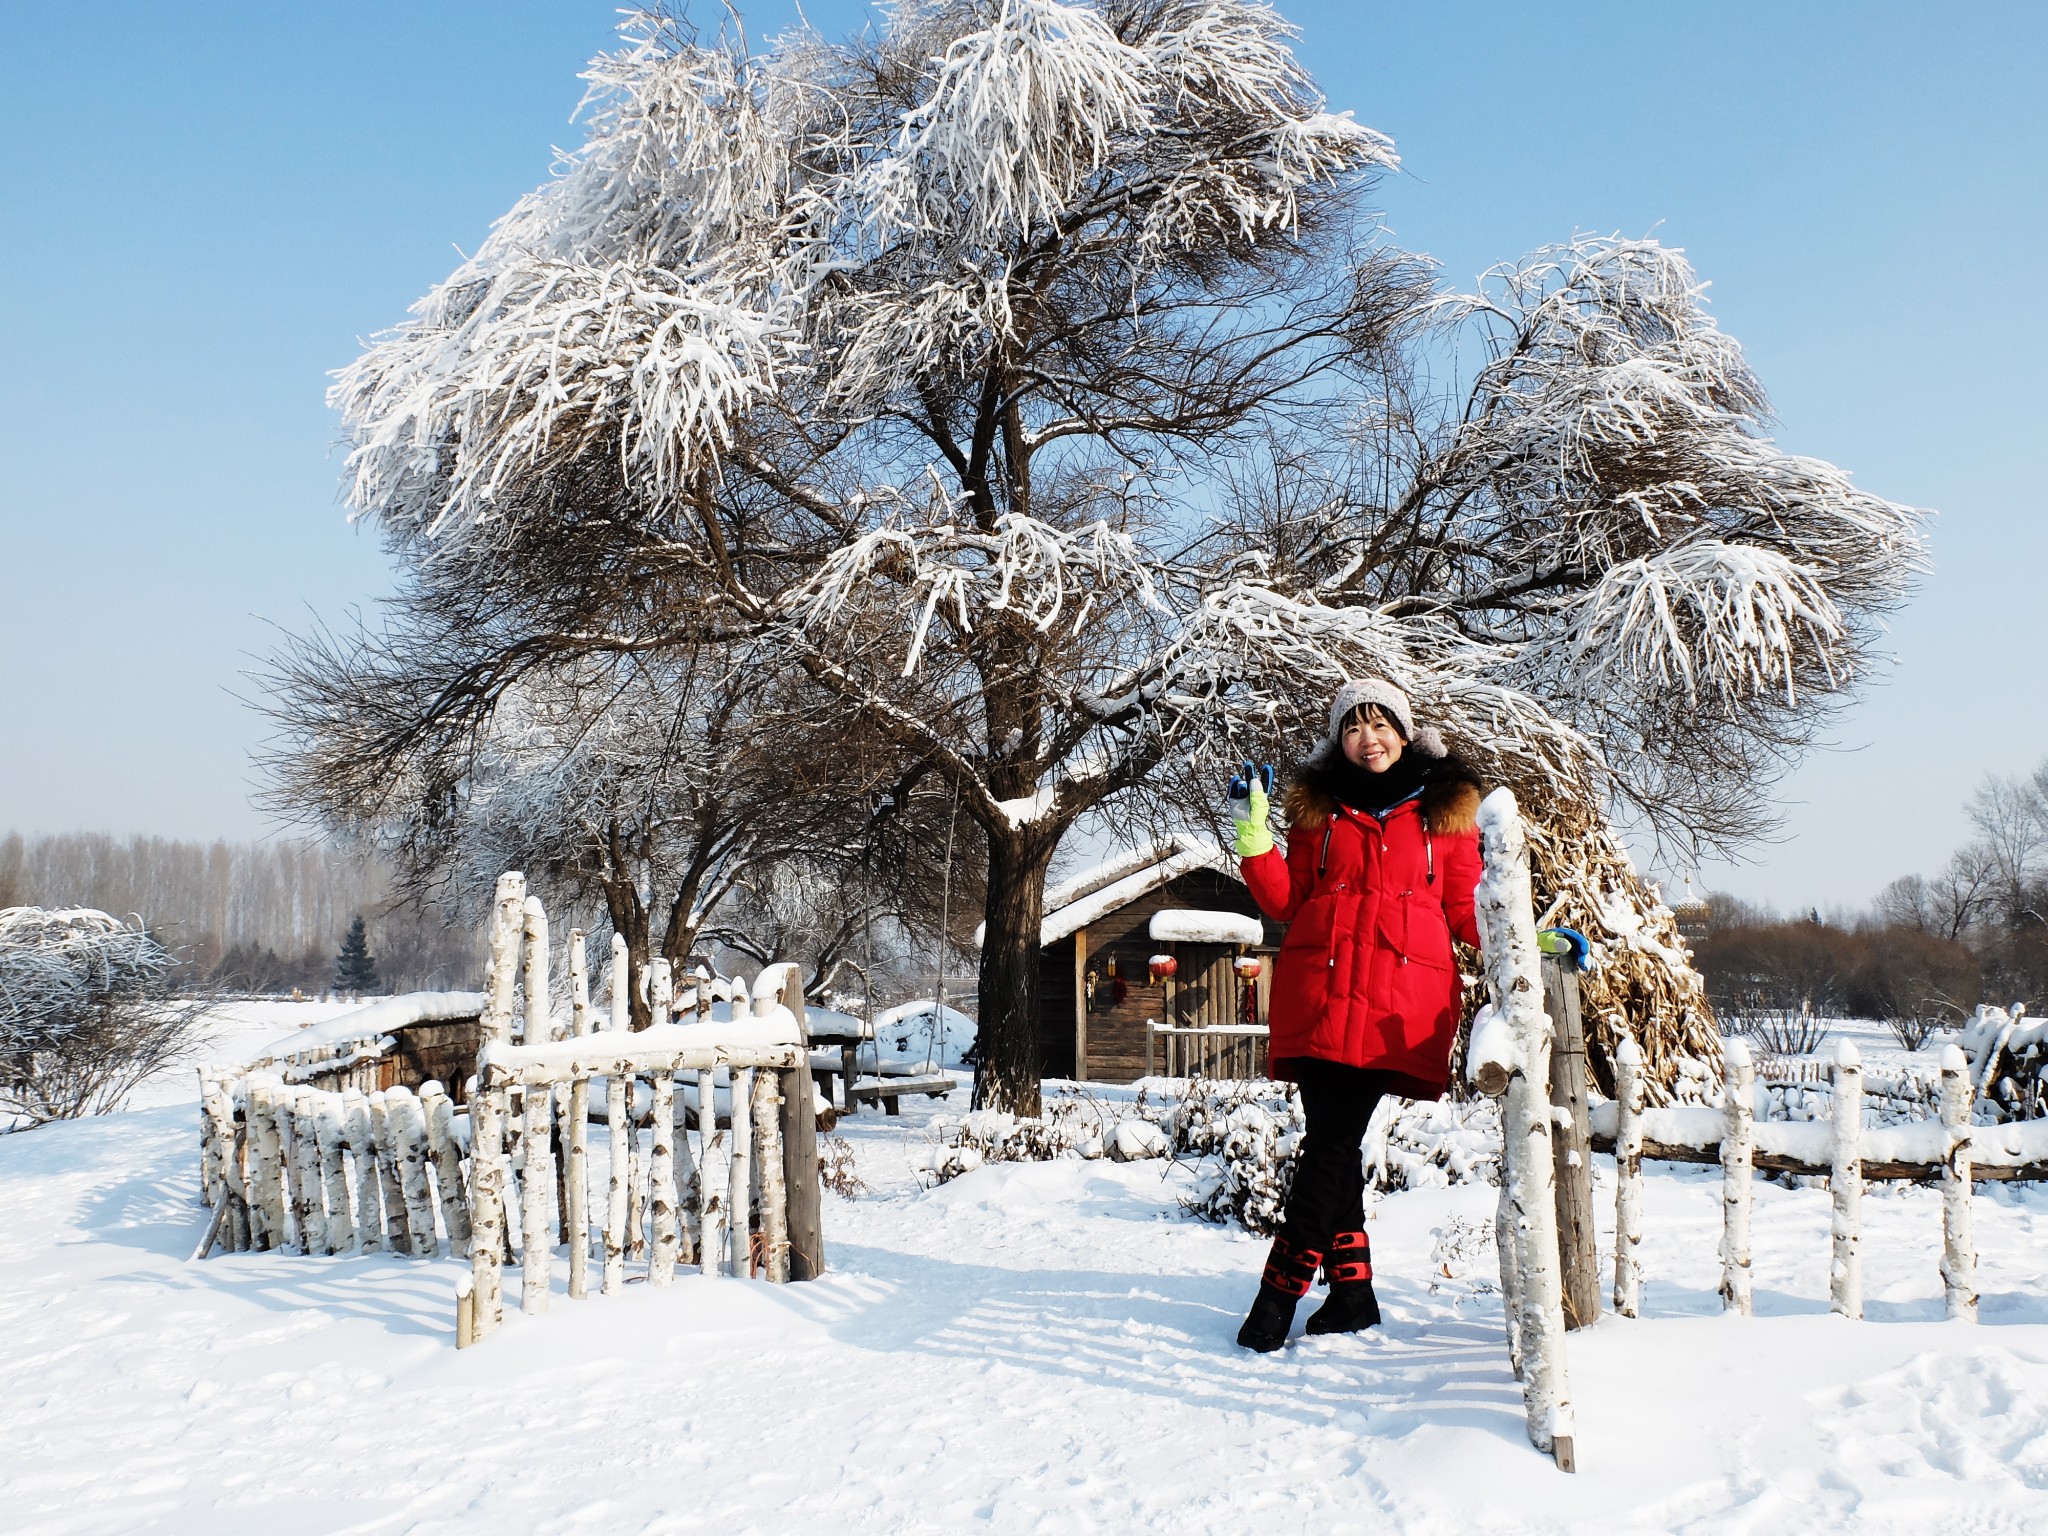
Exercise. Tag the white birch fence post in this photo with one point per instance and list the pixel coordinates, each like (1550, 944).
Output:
(1845, 1275)
(362, 1147)
(1738, 1090)
(1958, 1249)
(211, 1152)
(739, 1198)
(710, 1200)
(302, 1155)
(486, 1110)
(397, 1230)
(576, 1219)
(332, 1135)
(537, 1177)
(446, 1151)
(774, 1184)
(266, 1158)
(661, 1162)
(621, 1134)
(1515, 978)
(409, 1150)
(1628, 1177)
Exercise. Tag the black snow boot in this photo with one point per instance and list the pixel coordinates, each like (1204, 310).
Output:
(1352, 1307)
(1289, 1272)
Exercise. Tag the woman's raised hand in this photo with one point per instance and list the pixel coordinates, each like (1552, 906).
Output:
(1251, 804)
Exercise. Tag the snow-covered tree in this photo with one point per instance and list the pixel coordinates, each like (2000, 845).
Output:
(1028, 378)
(83, 1015)
(667, 792)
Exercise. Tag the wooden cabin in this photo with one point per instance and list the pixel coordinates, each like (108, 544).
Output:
(1103, 929)
(393, 1042)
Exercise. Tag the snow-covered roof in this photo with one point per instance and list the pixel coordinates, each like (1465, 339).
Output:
(1087, 898)
(374, 1019)
(1187, 925)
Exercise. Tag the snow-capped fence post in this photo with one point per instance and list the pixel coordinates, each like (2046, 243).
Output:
(1572, 1148)
(739, 1183)
(309, 1197)
(397, 1232)
(536, 1136)
(710, 1198)
(465, 1311)
(362, 1146)
(487, 1114)
(1738, 1090)
(661, 1164)
(1958, 1251)
(1628, 1177)
(446, 1151)
(266, 1158)
(1515, 980)
(1845, 1180)
(332, 1135)
(576, 1218)
(409, 1152)
(774, 1181)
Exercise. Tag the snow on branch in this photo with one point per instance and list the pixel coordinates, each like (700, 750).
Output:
(1020, 111)
(1708, 615)
(1049, 577)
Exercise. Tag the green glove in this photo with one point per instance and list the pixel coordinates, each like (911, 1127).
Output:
(1251, 803)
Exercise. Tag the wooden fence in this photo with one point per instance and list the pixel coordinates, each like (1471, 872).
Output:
(1207, 1050)
(321, 1171)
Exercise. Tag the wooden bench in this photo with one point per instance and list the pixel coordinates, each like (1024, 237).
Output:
(889, 1090)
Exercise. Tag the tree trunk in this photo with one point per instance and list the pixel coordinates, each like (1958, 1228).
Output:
(1006, 1077)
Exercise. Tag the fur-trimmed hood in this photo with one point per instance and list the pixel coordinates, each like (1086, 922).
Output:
(1450, 795)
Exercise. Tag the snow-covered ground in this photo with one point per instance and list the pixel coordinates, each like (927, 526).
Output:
(1032, 1347)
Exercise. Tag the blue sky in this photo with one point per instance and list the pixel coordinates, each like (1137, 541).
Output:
(209, 204)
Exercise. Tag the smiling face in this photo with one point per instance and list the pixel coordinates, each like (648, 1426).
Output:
(1371, 740)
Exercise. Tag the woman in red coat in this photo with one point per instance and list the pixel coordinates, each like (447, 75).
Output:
(1381, 864)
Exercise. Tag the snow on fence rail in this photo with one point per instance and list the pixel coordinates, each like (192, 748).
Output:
(324, 1171)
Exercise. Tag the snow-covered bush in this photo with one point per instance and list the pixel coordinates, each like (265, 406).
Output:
(1243, 1138)
(83, 1015)
(1075, 1123)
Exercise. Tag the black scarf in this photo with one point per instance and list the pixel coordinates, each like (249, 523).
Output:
(1376, 793)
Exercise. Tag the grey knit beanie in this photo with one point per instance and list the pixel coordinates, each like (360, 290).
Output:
(1377, 690)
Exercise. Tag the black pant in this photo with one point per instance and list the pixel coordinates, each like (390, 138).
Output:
(1328, 1196)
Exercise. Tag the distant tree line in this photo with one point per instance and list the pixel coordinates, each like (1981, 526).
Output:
(1929, 949)
(243, 917)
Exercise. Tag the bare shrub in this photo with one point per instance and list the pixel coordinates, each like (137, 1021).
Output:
(85, 1012)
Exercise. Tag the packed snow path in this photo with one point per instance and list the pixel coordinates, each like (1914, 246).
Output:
(1029, 1348)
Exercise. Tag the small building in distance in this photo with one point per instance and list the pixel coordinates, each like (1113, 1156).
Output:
(1695, 917)
(1101, 932)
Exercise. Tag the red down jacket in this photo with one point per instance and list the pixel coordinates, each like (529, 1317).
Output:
(1366, 975)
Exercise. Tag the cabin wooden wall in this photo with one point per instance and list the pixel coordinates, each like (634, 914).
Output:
(1116, 1029)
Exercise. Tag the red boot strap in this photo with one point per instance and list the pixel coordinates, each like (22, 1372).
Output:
(1348, 1273)
(1344, 1242)
(1291, 1269)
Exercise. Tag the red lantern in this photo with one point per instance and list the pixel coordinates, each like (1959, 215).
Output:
(1163, 966)
(1249, 966)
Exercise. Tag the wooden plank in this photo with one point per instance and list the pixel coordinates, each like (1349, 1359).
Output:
(1571, 1149)
(802, 1188)
(1081, 1005)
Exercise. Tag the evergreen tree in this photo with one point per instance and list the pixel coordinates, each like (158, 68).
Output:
(355, 969)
